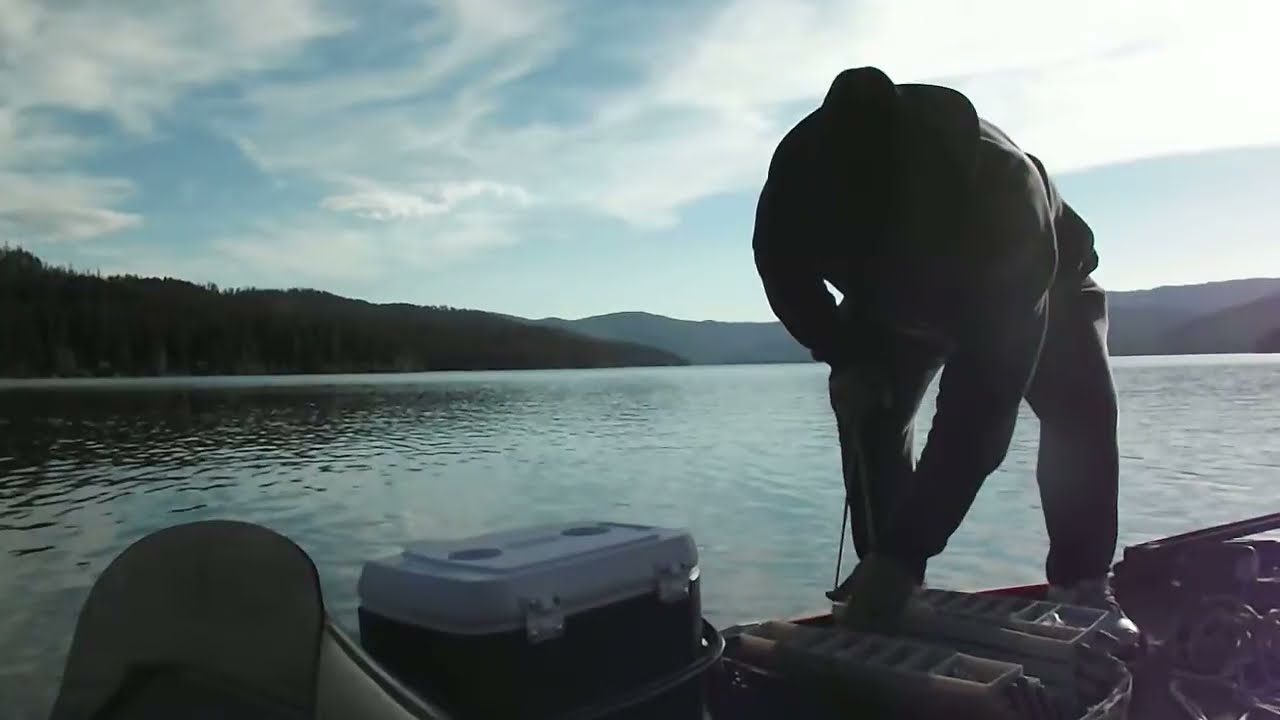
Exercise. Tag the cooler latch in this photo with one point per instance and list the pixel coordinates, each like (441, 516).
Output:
(543, 618)
(673, 582)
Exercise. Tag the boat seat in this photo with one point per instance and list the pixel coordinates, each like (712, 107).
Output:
(220, 619)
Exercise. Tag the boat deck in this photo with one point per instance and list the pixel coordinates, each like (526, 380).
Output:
(1208, 602)
(1197, 604)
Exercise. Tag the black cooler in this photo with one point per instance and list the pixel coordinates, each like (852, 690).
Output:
(579, 620)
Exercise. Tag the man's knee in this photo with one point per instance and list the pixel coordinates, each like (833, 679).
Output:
(977, 442)
(1073, 388)
(1084, 404)
(990, 448)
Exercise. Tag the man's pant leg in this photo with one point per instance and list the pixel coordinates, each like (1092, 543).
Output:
(979, 395)
(1079, 460)
(877, 439)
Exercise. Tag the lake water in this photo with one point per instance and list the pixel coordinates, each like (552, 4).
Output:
(352, 466)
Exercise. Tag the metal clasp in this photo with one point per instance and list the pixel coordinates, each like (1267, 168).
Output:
(673, 583)
(543, 619)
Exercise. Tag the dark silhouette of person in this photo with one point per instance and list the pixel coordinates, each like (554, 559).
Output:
(953, 250)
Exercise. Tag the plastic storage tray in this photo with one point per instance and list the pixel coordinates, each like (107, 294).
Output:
(915, 676)
(1044, 637)
(776, 669)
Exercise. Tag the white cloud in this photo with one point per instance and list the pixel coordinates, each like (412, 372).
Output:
(61, 207)
(303, 251)
(414, 122)
(55, 224)
(309, 250)
(420, 143)
(1080, 84)
(452, 38)
(427, 200)
(129, 61)
(384, 204)
(391, 155)
(30, 142)
(1179, 78)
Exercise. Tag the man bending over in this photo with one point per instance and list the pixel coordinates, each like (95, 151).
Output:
(953, 251)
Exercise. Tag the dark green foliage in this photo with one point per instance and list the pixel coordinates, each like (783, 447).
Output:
(56, 321)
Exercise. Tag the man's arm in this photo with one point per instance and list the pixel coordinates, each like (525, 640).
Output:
(792, 282)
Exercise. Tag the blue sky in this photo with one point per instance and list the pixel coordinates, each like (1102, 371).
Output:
(557, 157)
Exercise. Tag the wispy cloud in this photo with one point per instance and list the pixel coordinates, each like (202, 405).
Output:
(300, 249)
(355, 254)
(426, 200)
(1083, 85)
(132, 60)
(129, 62)
(427, 129)
(58, 207)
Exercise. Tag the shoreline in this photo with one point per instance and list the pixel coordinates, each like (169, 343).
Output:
(310, 378)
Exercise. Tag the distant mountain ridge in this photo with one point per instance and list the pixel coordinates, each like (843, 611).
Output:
(1270, 343)
(1229, 316)
(1180, 319)
(702, 342)
(1242, 328)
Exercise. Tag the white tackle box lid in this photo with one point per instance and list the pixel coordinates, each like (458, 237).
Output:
(528, 577)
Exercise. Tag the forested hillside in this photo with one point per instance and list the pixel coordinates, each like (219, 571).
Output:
(55, 321)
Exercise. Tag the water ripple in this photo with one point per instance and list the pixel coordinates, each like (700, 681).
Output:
(744, 456)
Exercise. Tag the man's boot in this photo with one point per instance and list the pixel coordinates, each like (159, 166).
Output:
(1096, 594)
(876, 594)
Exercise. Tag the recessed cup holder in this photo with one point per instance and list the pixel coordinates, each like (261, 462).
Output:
(584, 530)
(475, 554)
